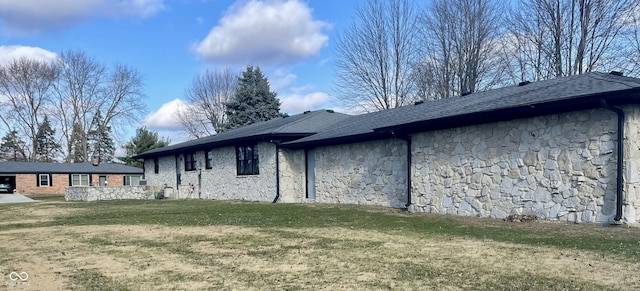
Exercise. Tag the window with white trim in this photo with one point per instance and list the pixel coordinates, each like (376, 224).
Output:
(80, 180)
(44, 180)
(132, 180)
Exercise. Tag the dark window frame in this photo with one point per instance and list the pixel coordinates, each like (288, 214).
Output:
(247, 160)
(208, 160)
(156, 166)
(190, 163)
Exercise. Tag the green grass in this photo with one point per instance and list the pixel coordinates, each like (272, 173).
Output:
(620, 241)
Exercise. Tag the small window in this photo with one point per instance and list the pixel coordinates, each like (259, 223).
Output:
(189, 162)
(247, 160)
(43, 180)
(132, 180)
(79, 180)
(156, 166)
(208, 159)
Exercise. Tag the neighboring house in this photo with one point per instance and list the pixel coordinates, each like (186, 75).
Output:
(548, 148)
(53, 178)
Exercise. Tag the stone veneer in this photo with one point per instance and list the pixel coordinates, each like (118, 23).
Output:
(371, 173)
(292, 176)
(221, 181)
(110, 193)
(558, 167)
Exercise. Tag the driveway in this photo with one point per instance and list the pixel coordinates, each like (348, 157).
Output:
(14, 198)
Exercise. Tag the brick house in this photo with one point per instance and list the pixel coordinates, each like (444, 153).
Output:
(564, 149)
(53, 178)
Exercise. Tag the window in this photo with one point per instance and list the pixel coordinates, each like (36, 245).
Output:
(79, 180)
(131, 180)
(189, 162)
(156, 166)
(247, 160)
(44, 180)
(208, 160)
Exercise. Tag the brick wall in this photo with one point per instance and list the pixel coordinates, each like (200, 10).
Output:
(28, 183)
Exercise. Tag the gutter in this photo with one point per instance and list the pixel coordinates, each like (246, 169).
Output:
(619, 181)
(277, 143)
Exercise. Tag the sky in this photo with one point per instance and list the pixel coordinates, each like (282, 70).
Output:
(170, 41)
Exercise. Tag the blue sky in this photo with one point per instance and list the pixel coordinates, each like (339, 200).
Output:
(170, 41)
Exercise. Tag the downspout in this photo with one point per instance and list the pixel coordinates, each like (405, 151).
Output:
(619, 182)
(277, 172)
(407, 138)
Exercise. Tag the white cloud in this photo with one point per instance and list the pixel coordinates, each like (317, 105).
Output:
(33, 16)
(8, 53)
(281, 79)
(295, 103)
(165, 117)
(264, 32)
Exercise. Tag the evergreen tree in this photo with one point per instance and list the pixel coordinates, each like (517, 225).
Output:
(252, 101)
(100, 143)
(77, 151)
(145, 140)
(46, 145)
(12, 147)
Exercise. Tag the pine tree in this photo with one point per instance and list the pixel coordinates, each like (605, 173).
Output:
(46, 145)
(252, 101)
(100, 143)
(145, 140)
(77, 151)
(12, 147)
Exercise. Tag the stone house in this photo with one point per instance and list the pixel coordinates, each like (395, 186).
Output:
(549, 148)
(53, 178)
(244, 163)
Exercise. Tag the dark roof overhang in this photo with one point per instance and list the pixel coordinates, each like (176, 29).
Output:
(533, 109)
(272, 137)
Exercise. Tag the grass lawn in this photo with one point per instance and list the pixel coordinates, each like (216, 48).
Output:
(200, 245)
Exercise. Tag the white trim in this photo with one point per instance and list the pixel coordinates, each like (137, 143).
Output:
(40, 184)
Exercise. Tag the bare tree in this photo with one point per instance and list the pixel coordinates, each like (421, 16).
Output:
(551, 38)
(26, 87)
(460, 48)
(78, 91)
(204, 114)
(86, 87)
(375, 55)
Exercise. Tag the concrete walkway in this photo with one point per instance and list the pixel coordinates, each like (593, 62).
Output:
(14, 198)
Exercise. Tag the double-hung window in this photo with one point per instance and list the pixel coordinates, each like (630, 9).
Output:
(190, 162)
(79, 179)
(44, 180)
(247, 160)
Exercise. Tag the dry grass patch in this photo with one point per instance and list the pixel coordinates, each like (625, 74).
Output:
(191, 248)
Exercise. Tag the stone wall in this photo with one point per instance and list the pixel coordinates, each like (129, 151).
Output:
(558, 167)
(222, 181)
(631, 175)
(110, 193)
(371, 173)
(166, 172)
(292, 176)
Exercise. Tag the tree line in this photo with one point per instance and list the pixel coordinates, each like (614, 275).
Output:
(397, 52)
(66, 109)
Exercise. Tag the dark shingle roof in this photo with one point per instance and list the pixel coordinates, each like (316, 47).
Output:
(538, 98)
(286, 128)
(66, 168)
